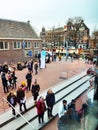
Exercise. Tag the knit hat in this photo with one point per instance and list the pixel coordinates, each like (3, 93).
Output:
(23, 83)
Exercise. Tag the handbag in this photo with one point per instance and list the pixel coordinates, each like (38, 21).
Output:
(23, 100)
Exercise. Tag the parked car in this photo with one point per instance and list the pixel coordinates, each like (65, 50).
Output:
(91, 71)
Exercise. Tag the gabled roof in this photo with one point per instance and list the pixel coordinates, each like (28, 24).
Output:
(16, 29)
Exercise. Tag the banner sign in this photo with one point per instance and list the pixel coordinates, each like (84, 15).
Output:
(28, 53)
(43, 56)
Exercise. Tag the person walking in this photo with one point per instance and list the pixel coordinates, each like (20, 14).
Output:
(29, 80)
(35, 90)
(12, 101)
(36, 67)
(41, 107)
(21, 98)
(30, 65)
(50, 101)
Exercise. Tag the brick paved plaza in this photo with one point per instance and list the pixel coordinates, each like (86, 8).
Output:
(53, 73)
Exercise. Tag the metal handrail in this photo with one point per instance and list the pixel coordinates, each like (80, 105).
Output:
(19, 113)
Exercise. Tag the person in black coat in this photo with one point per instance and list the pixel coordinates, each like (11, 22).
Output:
(35, 90)
(72, 104)
(1, 68)
(50, 101)
(29, 80)
(4, 82)
(13, 79)
(5, 67)
(12, 100)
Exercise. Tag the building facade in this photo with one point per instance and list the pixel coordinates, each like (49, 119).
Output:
(53, 37)
(77, 34)
(72, 34)
(18, 41)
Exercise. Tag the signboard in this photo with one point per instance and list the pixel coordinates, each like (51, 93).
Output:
(28, 53)
(43, 56)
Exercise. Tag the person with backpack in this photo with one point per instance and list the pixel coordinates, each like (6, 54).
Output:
(12, 101)
(21, 99)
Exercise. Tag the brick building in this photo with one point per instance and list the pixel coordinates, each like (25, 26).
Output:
(18, 41)
(72, 34)
(54, 36)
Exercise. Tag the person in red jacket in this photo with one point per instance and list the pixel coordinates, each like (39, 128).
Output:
(41, 107)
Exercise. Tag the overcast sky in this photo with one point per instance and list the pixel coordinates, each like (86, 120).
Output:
(49, 13)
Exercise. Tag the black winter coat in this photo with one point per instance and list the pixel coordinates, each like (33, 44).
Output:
(14, 99)
(35, 89)
(50, 99)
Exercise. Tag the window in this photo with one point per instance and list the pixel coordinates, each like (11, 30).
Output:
(4, 45)
(27, 45)
(36, 44)
(17, 45)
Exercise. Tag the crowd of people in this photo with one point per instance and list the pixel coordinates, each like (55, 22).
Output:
(68, 115)
(70, 118)
(17, 94)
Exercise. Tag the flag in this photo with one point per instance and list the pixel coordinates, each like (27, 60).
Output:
(23, 45)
